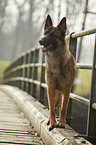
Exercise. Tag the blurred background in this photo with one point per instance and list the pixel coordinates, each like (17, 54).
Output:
(21, 26)
(22, 21)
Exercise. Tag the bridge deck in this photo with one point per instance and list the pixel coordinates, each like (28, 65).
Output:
(14, 127)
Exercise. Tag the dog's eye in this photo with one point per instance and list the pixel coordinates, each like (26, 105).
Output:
(46, 31)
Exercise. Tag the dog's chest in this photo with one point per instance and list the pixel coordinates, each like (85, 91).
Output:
(55, 73)
(54, 66)
(55, 69)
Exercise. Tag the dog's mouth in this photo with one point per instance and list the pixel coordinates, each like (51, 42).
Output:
(47, 48)
(49, 45)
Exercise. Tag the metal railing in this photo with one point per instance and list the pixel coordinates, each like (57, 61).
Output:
(28, 73)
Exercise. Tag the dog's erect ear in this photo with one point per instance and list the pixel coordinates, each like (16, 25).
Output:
(62, 26)
(48, 22)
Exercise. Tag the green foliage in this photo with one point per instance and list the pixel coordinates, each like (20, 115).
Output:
(3, 66)
(83, 84)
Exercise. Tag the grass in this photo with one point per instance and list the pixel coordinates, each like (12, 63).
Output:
(3, 66)
(83, 83)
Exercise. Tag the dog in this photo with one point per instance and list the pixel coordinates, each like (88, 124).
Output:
(60, 69)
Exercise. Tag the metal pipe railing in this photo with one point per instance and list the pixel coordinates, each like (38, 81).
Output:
(24, 66)
(82, 33)
(28, 73)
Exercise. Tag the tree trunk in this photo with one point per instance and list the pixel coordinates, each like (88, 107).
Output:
(83, 27)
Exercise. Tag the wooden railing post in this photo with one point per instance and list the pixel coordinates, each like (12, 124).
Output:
(72, 48)
(91, 125)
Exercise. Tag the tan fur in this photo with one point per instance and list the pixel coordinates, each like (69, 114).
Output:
(59, 76)
(56, 82)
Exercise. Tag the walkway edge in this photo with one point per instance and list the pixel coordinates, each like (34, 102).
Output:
(37, 115)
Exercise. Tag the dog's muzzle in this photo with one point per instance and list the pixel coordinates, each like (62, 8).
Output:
(47, 46)
(41, 41)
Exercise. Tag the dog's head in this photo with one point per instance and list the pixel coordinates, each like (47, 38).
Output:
(53, 36)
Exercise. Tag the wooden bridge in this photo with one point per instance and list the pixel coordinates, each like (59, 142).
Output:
(28, 74)
(14, 127)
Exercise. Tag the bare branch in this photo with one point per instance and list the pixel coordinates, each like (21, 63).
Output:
(91, 12)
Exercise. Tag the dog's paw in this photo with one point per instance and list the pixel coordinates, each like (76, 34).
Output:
(52, 126)
(48, 122)
(61, 125)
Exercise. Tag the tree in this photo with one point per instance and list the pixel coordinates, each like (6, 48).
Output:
(72, 13)
(3, 5)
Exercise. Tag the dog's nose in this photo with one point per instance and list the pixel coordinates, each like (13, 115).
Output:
(41, 41)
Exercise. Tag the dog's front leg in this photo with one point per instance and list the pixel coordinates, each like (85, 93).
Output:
(51, 100)
(64, 106)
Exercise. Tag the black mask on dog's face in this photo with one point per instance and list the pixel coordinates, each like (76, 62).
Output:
(49, 40)
(52, 34)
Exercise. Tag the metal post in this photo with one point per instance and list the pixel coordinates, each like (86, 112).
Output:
(91, 125)
(35, 72)
(23, 72)
(27, 69)
(72, 48)
(28, 73)
(41, 99)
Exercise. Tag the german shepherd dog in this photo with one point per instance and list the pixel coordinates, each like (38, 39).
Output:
(60, 69)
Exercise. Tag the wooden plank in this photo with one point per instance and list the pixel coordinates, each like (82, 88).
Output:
(14, 127)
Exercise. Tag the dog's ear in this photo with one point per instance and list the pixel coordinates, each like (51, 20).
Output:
(48, 22)
(62, 26)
